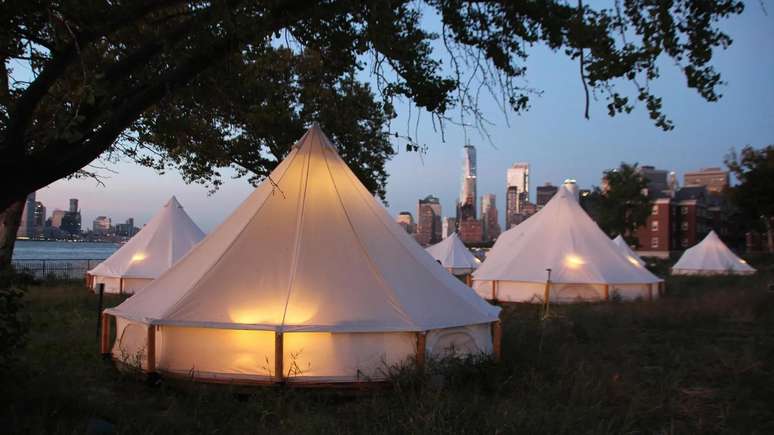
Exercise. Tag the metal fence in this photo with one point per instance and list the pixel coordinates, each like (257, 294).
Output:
(55, 268)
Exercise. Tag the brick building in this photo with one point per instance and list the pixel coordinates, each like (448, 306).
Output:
(714, 179)
(676, 222)
(471, 231)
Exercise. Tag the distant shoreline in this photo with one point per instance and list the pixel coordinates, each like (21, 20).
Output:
(67, 241)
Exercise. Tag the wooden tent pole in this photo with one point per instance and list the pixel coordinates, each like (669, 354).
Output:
(104, 342)
(469, 280)
(120, 286)
(279, 354)
(650, 292)
(151, 363)
(421, 348)
(497, 340)
(607, 292)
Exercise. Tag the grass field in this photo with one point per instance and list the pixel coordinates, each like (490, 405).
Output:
(699, 360)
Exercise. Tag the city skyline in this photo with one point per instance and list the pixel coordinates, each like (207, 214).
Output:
(580, 149)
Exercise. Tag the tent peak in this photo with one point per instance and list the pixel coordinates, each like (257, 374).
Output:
(173, 202)
(315, 131)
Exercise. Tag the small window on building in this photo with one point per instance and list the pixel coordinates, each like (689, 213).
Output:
(654, 226)
(654, 210)
(684, 243)
(684, 210)
(684, 226)
(654, 242)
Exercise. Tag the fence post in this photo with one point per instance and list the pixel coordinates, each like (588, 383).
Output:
(101, 291)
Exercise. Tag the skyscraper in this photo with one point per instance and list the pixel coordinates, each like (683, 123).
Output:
(101, 225)
(71, 221)
(466, 206)
(27, 223)
(428, 221)
(448, 227)
(491, 228)
(545, 193)
(516, 193)
(56, 218)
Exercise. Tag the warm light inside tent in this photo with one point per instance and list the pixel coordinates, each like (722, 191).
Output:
(633, 260)
(573, 261)
(138, 257)
(272, 314)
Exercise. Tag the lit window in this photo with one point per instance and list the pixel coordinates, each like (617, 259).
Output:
(654, 210)
(684, 210)
(654, 242)
(684, 226)
(654, 226)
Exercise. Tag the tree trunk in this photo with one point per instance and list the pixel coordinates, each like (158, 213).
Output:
(10, 218)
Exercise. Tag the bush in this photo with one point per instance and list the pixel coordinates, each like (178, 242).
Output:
(13, 325)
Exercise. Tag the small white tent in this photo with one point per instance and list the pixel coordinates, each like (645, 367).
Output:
(308, 281)
(166, 238)
(711, 257)
(584, 263)
(626, 250)
(454, 256)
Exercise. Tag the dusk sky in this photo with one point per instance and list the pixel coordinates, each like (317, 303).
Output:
(553, 137)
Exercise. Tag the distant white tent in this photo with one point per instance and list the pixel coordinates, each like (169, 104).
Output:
(166, 238)
(454, 256)
(308, 281)
(711, 257)
(585, 264)
(626, 250)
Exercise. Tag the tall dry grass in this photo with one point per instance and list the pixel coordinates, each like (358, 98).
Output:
(699, 360)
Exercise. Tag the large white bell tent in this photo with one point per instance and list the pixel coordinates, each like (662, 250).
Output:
(454, 256)
(711, 257)
(308, 281)
(627, 251)
(584, 263)
(166, 238)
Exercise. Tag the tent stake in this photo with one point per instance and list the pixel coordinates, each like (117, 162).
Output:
(547, 293)
(101, 292)
(279, 354)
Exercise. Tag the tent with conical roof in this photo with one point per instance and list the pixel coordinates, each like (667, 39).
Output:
(711, 257)
(584, 263)
(166, 238)
(308, 281)
(626, 250)
(454, 256)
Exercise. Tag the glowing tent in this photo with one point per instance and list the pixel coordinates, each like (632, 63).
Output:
(711, 257)
(584, 264)
(166, 238)
(626, 250)
(308, 281)
(454, 256)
